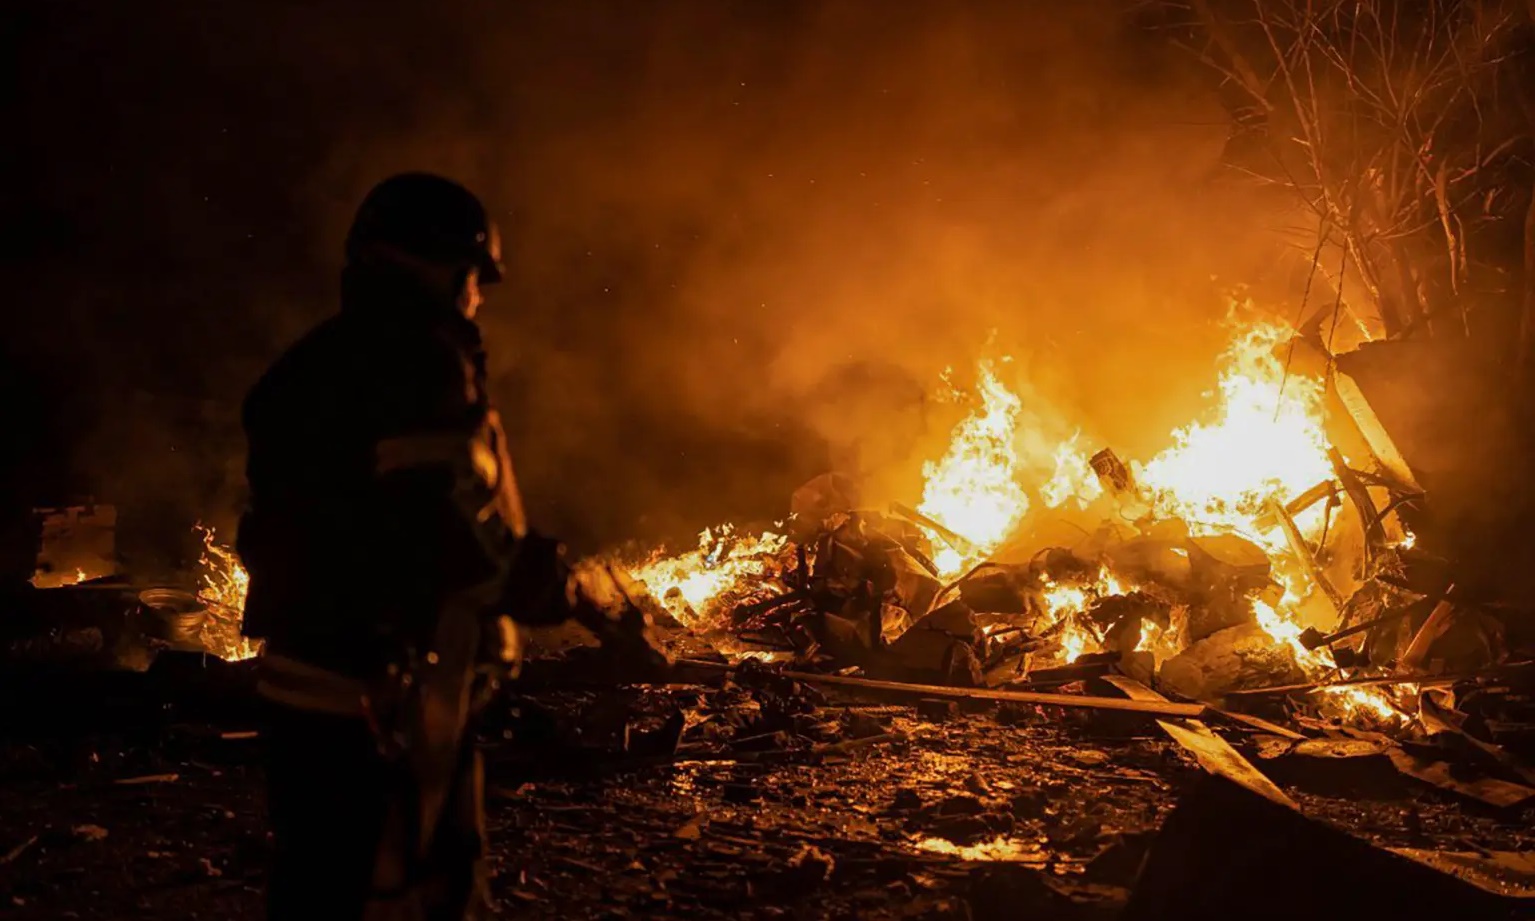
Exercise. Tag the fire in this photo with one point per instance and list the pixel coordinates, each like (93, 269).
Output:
(1263, 440)
(1074, 479)
(691, 585)
(1266, 441)
(974, 490)
(223, 584)
(1350, 703)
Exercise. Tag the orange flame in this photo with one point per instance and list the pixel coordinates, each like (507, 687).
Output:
(1073, 480)
(692, 586)
(1262, 440)
(973, 490)
(222, 585)
(1265, 441)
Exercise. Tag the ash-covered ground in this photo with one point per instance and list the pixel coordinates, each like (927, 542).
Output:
(690, 802)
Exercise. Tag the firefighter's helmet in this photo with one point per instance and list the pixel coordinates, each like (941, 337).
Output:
(427, 217)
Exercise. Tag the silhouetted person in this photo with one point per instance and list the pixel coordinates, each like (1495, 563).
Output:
(387, 548)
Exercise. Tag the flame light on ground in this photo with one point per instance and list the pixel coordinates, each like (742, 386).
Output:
(1000, 848)
(222, 585)
(974, 490)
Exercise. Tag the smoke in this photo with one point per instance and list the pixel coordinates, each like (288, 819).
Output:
(710, 209)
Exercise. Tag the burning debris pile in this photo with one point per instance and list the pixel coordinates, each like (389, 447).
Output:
(1267, 548)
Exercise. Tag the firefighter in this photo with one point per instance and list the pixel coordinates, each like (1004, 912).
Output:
(388, 558)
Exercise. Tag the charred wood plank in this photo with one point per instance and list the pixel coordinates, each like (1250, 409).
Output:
(1281, 690)
(1359, 494)
(1299, 504)
(1439, 620)
(1307, 558)
(902, 689)
(1260, 724)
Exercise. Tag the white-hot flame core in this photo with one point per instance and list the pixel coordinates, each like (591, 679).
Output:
(1265, 440)
(1073, 480)
(974, 489)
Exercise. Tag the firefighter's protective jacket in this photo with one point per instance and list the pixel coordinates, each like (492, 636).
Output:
(380, 485)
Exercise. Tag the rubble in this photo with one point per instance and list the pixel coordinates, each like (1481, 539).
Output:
(931, 711)
(940, 648)
(1231, 659)
(76, 544)
(1212, 752)
(1223, 844)
(1203, 598)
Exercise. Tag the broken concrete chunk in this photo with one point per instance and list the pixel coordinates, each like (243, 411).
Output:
(1222, 610)
(915, 587)
(954, 619)
(1155, 560)
(1228, 853)
(940, 647)
(1231, 659)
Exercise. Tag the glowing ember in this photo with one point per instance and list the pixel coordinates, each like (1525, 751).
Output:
(974, 491)
(1064, 600)
(692, 585)
(1066, 603)
(997, 849)
(1351, 703)
(222, 585)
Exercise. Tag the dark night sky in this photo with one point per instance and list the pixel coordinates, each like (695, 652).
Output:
(708, 205)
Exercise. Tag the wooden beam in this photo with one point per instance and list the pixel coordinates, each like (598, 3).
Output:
(1299, 504)
(901, 689)
(1359, 494)
(1308, 560)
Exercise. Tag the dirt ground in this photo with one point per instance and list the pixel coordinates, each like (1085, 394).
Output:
(154, 814)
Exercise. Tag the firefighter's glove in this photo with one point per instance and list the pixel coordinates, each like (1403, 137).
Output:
(631, 651)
